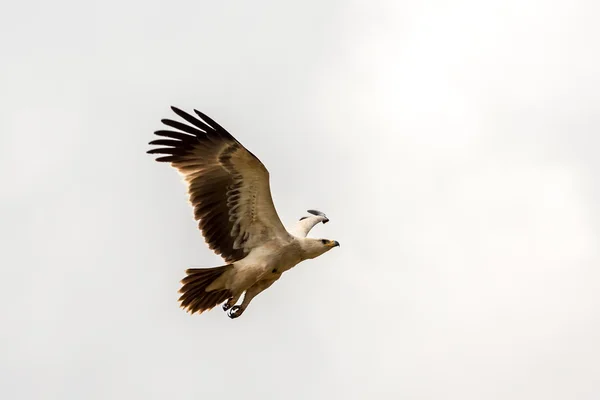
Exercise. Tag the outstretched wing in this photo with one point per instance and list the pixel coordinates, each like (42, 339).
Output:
(227, 185)
(307, 223)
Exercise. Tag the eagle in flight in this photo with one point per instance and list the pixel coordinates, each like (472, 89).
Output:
(228, 187)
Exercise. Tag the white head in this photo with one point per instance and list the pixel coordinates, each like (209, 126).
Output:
(312, 248)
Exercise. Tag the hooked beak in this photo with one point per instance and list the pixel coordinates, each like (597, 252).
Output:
(336, 243)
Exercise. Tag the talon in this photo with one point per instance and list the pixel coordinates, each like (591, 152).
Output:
(226, 306)
(234, 312)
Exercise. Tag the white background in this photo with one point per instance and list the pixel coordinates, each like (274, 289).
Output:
(452, 144)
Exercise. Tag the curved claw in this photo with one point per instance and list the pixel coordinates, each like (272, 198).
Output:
(226, 306)
(235, 312)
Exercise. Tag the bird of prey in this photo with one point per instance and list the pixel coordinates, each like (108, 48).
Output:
(228, 187)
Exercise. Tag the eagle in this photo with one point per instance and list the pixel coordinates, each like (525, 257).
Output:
(228, 188)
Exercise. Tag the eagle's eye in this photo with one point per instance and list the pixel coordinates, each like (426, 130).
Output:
(324, 241)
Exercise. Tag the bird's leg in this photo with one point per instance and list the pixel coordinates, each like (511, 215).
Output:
(251, 293)
(231, 302)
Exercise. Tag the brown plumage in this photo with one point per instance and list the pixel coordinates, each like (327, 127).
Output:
(194, 297)
(227, 185)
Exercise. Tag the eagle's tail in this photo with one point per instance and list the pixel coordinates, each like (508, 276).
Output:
(194, 297)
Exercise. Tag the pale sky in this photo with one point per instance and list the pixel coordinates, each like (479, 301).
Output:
(453, 145)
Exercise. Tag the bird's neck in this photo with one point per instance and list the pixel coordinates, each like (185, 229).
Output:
(309, 248)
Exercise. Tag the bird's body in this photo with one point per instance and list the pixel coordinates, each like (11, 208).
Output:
(266, 262)
(229, 190)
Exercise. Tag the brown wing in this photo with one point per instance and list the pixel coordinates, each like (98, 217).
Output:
(227, 185)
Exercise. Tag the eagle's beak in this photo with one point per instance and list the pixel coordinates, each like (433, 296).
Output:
(336, 243)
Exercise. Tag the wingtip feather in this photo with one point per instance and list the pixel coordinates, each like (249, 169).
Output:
(209, 121)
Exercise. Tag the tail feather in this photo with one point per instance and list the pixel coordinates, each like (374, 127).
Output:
(200, 283)
(195, 289)
(194, 297)
(209, 301)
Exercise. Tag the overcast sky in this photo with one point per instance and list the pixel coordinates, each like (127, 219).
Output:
(453, 145)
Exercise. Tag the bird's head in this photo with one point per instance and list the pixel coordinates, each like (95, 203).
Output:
(313, 248)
